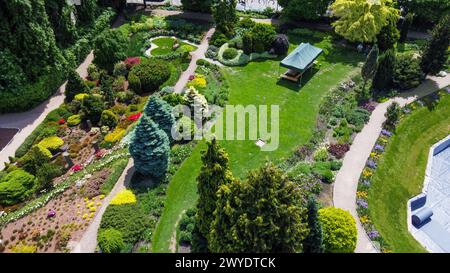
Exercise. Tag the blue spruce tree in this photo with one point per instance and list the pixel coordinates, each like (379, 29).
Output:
(161, 113)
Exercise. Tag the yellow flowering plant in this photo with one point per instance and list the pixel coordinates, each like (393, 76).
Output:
(115, 135)
(124, 197)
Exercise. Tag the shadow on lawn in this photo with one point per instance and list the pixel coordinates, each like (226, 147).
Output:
(296, 87)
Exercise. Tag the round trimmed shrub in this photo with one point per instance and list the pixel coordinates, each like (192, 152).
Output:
(16, 186)
(281, 44)
(110, 240)
(407, 72)
(74, 120)
(151, 73)
(230, 53)
(120, 69)
(339, 230)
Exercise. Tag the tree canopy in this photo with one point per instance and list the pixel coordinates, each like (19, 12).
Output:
(362, 20)
(304, 9)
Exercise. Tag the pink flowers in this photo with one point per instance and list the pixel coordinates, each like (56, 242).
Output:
(61, 121)
(134, 117)
(100, 154)
(76, 168)
(131, 61)
(51, 213)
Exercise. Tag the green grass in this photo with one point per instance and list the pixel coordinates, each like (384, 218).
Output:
(400, 173)
(165, 46)
(257, 84)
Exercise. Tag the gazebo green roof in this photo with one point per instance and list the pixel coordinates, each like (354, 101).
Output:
(302, 57)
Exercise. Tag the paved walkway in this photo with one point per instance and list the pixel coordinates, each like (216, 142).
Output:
(26, 122)
(88, 242)
(346, 182)
(196, 55)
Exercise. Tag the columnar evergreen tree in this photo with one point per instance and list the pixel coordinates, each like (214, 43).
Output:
(224, 13)
(150, 149)
(370, 66)
(406, 24)
(313, 242)
(263, 214)
(436, 51)
(161, 113)
(106, 86)
(304, 9)
(75, 85)
(385, 72)
(362, 20)
(214, 172)
(388, 36)
(59, 14)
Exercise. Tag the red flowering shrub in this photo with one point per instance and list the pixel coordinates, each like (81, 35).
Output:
(61, 121)
(134, 117)
(131, 61)
(76, 168)
(338, 150)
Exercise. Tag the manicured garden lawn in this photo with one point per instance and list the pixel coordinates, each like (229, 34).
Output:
(400, 173)
(257, 84)
(165, 46)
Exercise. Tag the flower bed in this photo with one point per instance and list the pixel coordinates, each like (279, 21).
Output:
(365, 180)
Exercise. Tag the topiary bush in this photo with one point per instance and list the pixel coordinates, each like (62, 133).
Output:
(151, 73)
(339, 230)
(230, 53)
(109, 119)
(110, 240)
(16, 186)
(281, 44)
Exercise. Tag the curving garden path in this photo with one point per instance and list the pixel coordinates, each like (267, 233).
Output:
(196, 55)
(26, 122)
(345, 185)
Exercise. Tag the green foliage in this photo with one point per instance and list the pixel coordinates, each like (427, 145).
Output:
(120, 69)
(408, 73)
(247, 40)
(74, 120)
(370, 66)
(304, 9)
(129, 219)
(392, 114)
(262, 214)
(152, 73)
(52, 143)
(230, 53)
(224, 13)
(134, 82)
(218, 39)
(214, 172)
(86, 12)
(150, 148)
(92, 108)
(321, 154)
(436, 51)
(46, 173)
(59, 15)
(35, 158)
(263, 36)
(388, 36)
(75, 85)
(16, 186)
(339, 230)
(161, 113)
(11, 74)
(426, 12)
(385, 71)
(186, 226)
(174, 99)
(246, 23)
(313, 242)
(109, 118)
(406, 24)
(362, 20)
(197, 5)
(281, 44)
(109, 48)
(110, 240)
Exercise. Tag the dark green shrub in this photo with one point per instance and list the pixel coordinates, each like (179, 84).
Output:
(174, 99)
(134, 82)
(246, 22)
(230, 53)
(152, 73)
(218, 39)
(75, 85)
(109, 48)
(281, 44)
(263, 37)
(92, 108)
(46, 173)
(407, 73)
(129, 219)
(16, 186)
(247, 41)
(110, 240)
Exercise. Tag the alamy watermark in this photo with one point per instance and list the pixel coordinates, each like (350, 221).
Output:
(233, 122)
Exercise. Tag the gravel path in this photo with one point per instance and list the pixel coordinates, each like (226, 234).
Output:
(88, 242)
(26, 122)
(196, 55)
(346, 182)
